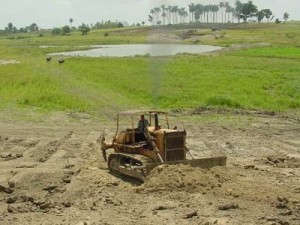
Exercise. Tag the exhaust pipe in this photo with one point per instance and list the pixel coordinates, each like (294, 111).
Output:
(157, 127)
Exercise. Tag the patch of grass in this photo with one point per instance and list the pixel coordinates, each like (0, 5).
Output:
(223, 101)
(259, 78)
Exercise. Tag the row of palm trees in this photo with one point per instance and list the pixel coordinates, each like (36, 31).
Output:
(197, 12)
(204, 13)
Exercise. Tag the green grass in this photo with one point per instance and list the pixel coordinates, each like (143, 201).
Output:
(257, 78)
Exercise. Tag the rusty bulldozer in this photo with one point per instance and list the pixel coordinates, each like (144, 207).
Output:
(136, 152)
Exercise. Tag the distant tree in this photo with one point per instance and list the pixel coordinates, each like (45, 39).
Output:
(143, 23)
(286, 16)
(23, 30)
(221, 6)
(199, 11)
(56, 31)
(215, 9)
(71, 22)
(192, 11)
(66, 30)
(227, 10)
(164, 14)
(157, 10)
(248, 10)
(260, 16)
(152, 16)
(182, 15)
(174, 12)
(9, 27)
(84, 29)
(119, 24)
(238, 10)
(33, 27)
(150, 19)
(267, 13)
(169, 13)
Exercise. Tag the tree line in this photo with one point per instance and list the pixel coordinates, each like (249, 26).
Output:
(12, 29)
(240, 11)
(65, 30)
(163, 15)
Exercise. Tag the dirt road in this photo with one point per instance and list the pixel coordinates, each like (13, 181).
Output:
(52, 172)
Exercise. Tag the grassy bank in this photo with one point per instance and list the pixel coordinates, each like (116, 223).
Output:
(256, 78)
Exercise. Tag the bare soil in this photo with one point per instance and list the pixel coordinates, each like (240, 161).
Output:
(52, 172)
(5, 62)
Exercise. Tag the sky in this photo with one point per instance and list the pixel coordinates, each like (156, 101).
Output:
(56, 13)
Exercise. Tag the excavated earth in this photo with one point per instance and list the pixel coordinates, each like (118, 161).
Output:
(52, 172)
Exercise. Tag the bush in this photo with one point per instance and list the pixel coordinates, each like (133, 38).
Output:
(66, 30)
(57, 31)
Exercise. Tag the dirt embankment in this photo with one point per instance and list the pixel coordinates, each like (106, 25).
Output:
(53, 173)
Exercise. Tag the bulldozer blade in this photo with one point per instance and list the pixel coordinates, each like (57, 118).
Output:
(205, 163)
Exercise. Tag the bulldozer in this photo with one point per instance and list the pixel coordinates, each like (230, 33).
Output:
(137, 152)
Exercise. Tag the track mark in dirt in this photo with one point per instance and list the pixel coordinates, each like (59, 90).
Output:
(45, 152)
(13, 148)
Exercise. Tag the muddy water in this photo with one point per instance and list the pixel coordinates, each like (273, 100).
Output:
(140, 49)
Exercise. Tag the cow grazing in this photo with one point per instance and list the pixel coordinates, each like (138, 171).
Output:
(48, 59)
(61, 61)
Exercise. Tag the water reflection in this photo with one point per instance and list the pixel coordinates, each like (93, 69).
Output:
(139, 49)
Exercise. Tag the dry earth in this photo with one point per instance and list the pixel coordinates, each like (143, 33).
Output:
(52, 172)
(11, 61)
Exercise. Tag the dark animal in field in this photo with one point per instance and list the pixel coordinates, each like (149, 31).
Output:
(61, 61)
(49, 59)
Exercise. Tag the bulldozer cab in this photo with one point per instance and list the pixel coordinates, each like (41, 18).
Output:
(127, 125)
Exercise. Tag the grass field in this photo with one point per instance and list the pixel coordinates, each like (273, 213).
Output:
(260, 78)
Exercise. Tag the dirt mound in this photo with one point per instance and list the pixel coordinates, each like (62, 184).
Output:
(282, 161)
(185, 177)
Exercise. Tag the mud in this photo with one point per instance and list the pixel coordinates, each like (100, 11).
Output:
(52, 172)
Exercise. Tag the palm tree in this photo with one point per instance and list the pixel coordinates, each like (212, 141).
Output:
(157, 10)
(238, 10)
(222, 5)
(227, 10)
(210, 10)
(192, 10)
(169, 9)
(163, 7)
(199, 12)
(206, 11)
(151, 17)
(286, 16)
(71, 21)
(174, 12)
(215, 9)
(183, 14)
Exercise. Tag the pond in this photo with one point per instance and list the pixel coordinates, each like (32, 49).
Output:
(139, 49)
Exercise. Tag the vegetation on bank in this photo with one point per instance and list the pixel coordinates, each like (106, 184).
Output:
(262, 78)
